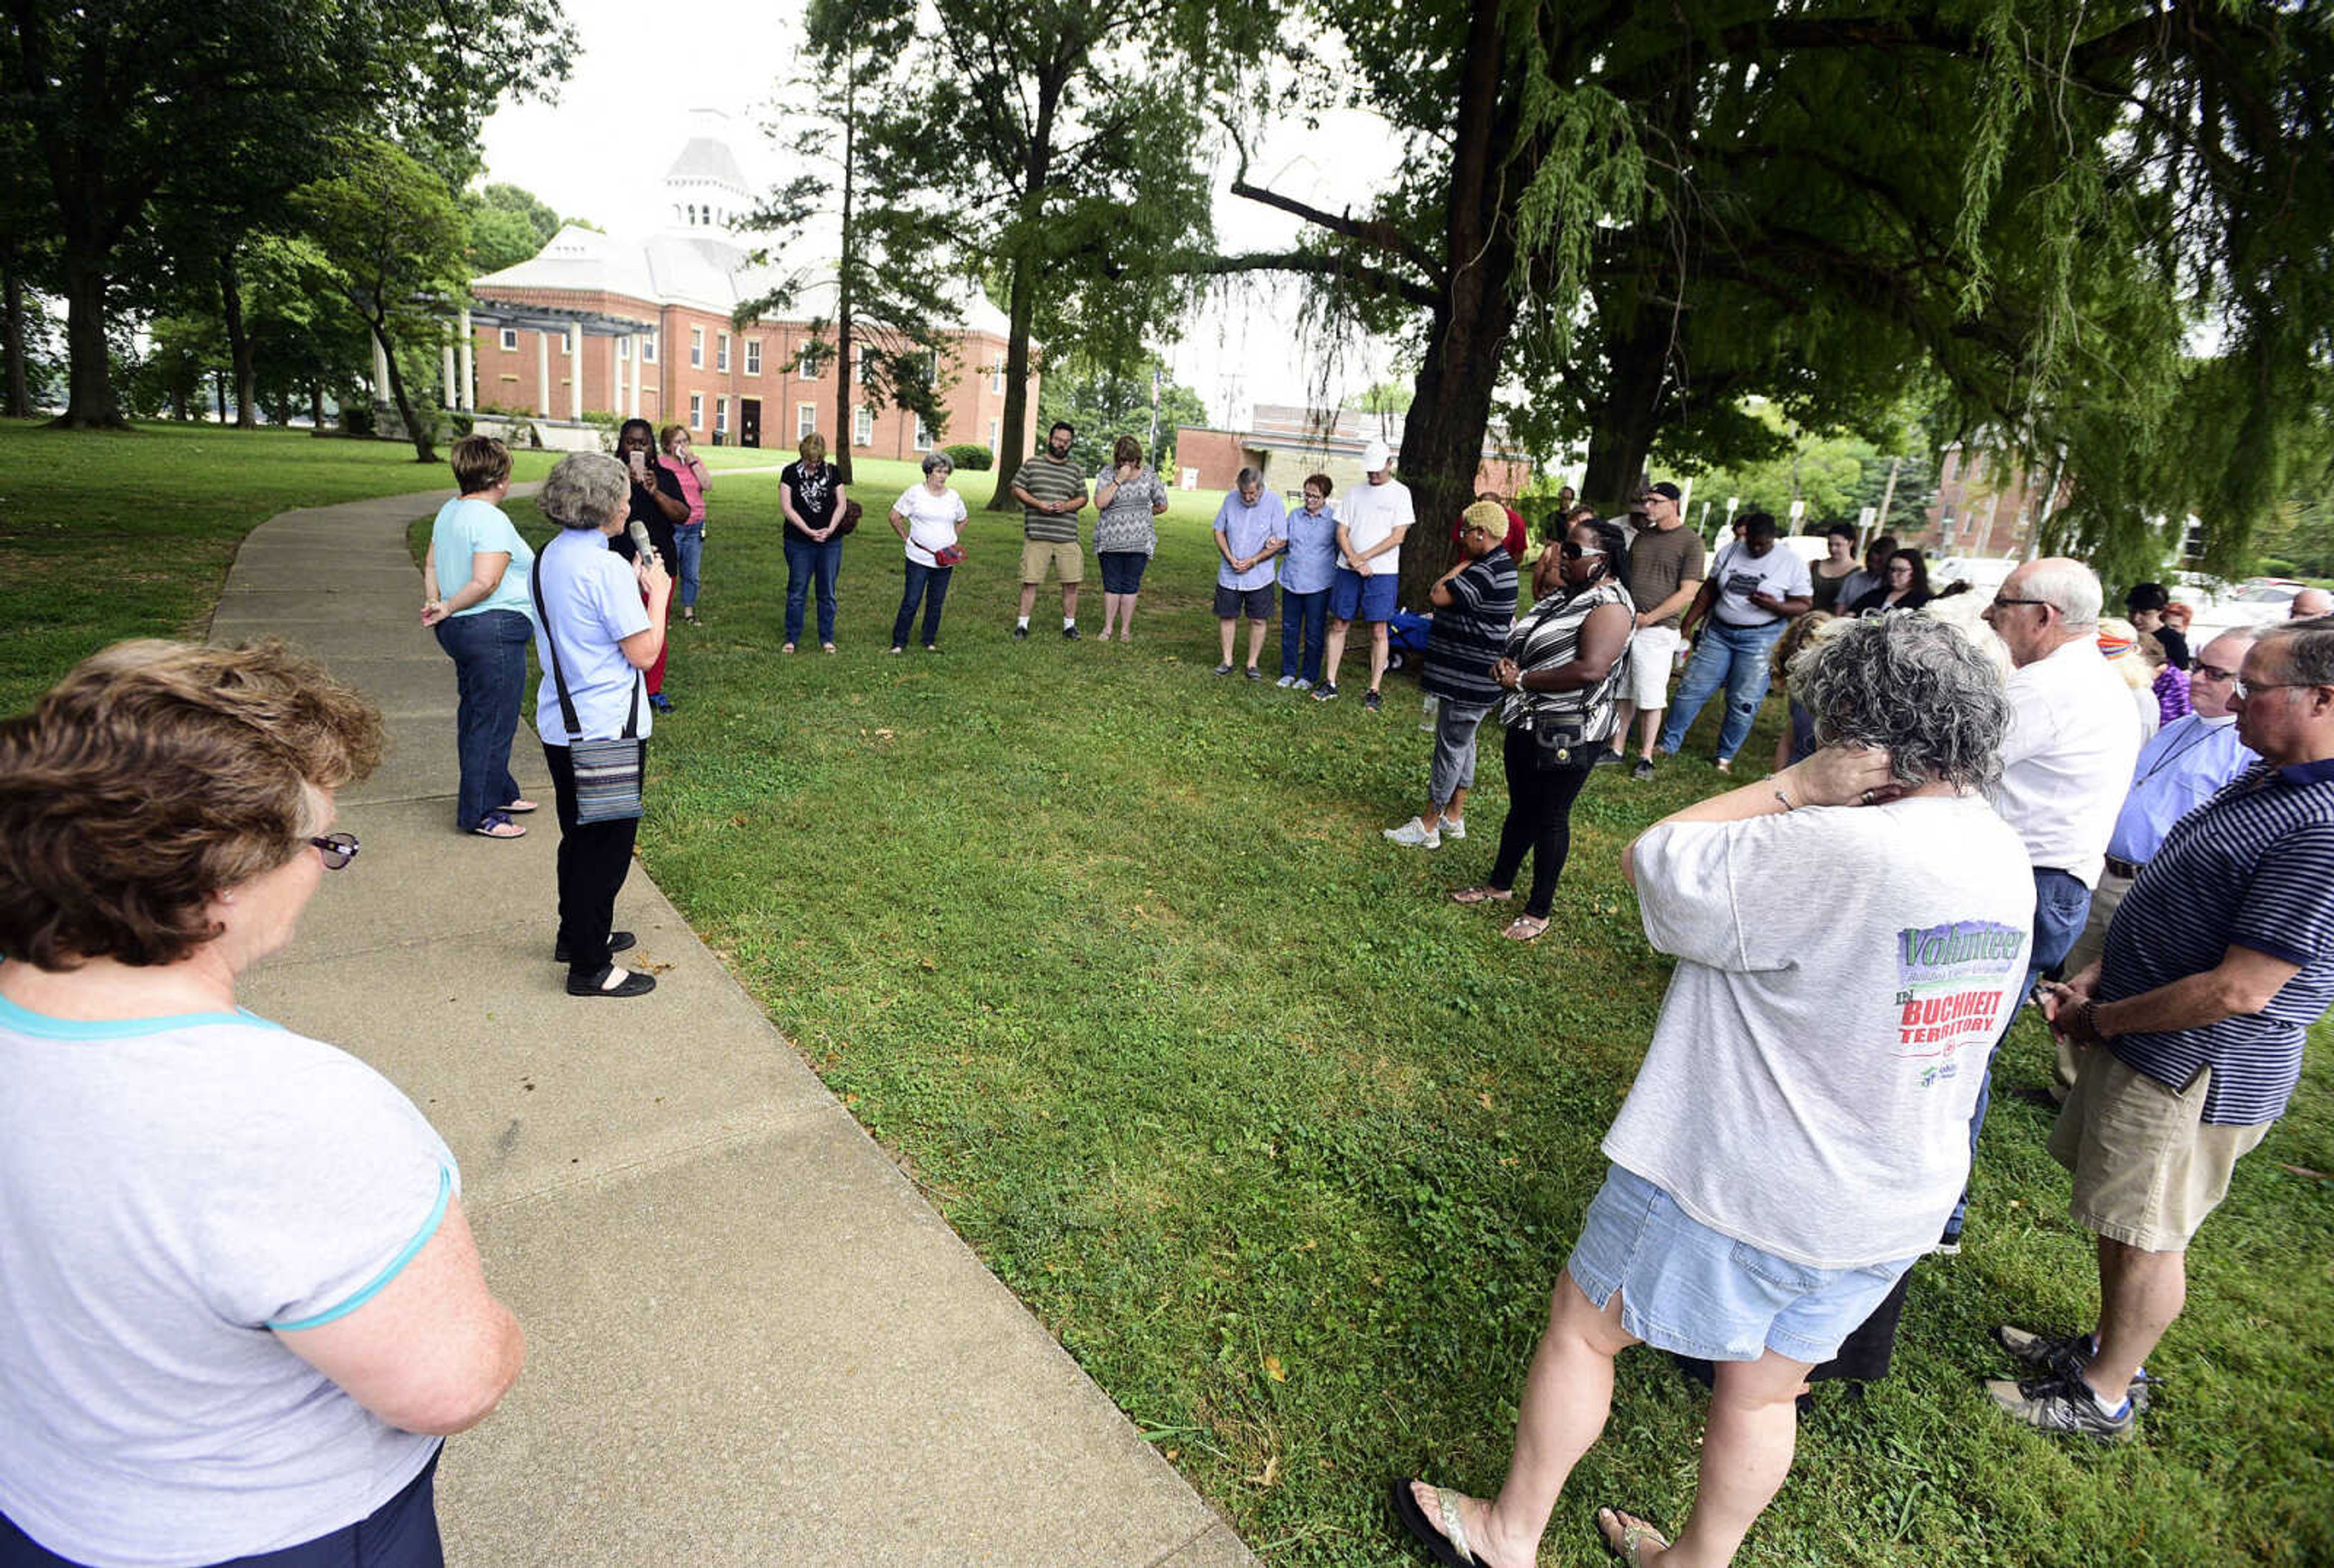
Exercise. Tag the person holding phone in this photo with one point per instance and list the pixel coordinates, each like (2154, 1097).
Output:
(657, 509)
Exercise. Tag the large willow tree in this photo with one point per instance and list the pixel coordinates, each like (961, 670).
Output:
(1614, 223)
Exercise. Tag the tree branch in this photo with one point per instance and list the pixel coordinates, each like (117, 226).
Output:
(1317, 264)
(1370, 231)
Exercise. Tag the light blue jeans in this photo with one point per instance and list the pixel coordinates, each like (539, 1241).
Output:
(1736, 657)
(689, 544)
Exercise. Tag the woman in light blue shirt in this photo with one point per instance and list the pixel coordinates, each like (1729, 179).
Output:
(484, 626)
(1306, 570)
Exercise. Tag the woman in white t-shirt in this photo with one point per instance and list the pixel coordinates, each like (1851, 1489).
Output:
(241, 1305)
(927, 520)
(1851, 935)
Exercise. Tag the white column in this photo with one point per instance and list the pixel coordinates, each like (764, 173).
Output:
(465, 386)
(543, 373)
(453, 387)
(575, 374)
(380, 375)
(633, 412)
(615, 380)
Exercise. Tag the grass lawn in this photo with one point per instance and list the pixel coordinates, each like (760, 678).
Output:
(1287, 1149)
(130, 534)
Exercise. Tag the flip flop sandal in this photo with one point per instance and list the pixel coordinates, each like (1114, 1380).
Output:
(1448, 1545)
(1635, 1538)
(498, 826)
(1525, 929)
(519, 808)
(1482, 896)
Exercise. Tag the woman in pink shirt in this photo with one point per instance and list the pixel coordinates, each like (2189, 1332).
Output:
(681, 461)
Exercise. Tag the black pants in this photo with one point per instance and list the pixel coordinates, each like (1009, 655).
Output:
(593, 860)
(1540, 817)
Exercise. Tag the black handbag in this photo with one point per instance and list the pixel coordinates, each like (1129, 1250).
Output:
(608, 773)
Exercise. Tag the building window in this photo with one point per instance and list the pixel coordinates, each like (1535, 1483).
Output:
(753, 356)
(806, 363)
(721, 416)
(510, 339)
(996, 378)
(696, 410)
(648, 348)
(805, 420)
(623, 348)
(923, 434)
(863, 428)
(696, 351)
(721, 351)
(866, 358)
(567, 340)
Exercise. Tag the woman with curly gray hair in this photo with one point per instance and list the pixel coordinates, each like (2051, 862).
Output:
(1851, 935)
(599, 623)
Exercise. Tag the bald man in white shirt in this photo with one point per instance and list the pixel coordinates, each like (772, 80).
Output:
(2066, 764)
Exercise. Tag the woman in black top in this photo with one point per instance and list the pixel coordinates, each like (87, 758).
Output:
(1906, 586)
(658, 506)
(810, 492)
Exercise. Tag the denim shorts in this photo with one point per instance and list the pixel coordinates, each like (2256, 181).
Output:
(1121, 570)
(1687, 1289)
(1353, 597)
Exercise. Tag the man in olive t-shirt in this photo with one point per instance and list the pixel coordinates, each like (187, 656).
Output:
(1052, 492)
(1666, 569)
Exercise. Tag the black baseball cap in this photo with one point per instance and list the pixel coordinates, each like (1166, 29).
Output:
(1665, 489)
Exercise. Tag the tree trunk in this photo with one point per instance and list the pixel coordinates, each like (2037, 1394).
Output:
(425, 448)
(218, 388)
(16, 399)
(238, 341)
(1012, 447)
(89, 402)
(842, 425)
(1628, 416)
(316, 402)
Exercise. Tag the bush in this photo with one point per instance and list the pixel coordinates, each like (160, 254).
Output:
(2270, 566)
(357, 420)
(970, 457)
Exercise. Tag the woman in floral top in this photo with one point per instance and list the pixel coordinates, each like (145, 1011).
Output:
(1128, 496)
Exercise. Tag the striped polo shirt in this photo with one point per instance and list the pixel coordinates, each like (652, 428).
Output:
(1548, 637)
(1465, 639)
(1050, 479)
(2253, 867)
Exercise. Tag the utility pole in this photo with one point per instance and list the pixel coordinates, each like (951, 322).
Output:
(1888, 499)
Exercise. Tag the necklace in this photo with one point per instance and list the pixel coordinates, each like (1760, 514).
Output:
(2204, 732)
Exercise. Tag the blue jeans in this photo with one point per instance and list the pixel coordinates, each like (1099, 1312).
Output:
(489, 654)
(806, 563)
(1736, 657)
(929, 584)
(1303, 624)
(2061, 906)
(688, 547)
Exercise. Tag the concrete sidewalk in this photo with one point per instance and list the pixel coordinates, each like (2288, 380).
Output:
(750, 1340)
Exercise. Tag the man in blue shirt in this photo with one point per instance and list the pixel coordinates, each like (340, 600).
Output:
(2180, 769)
(2219, 961)
(1251, 528)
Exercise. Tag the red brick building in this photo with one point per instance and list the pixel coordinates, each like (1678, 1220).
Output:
(1286, 443)
(1985, 506)
(599, 324)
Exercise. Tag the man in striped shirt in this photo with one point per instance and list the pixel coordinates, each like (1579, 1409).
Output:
(2220, 958)
(1052, 492)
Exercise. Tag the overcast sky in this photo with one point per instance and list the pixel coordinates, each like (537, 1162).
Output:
(601, 151)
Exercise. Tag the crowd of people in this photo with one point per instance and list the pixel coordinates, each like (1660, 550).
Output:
(243, 1305)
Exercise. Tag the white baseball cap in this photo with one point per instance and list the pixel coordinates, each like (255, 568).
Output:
(1376, 456)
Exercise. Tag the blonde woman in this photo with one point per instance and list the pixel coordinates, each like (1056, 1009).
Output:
(810, 490)
(678, 458)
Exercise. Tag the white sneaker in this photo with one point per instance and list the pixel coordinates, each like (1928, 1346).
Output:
(1415, 831)
(1302, 685)
(1453, 828)
(1285, 682)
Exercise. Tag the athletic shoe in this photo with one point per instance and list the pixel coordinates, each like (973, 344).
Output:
(1069, 634)
(2064, 1355)
(1415, 831)
(1223, 669)
(2057, 1402)
(1254, 673)
(1302, 685)
(1643, 770)
(1453, 828)
(1726, 764)
(1285, 682)
(1608, 757)
(661, 702)
(1325, 692)
(1370, 700)
(1020, 634)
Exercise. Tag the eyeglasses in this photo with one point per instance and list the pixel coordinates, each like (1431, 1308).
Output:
(2241, 689)
(2001, 603)
(1571, 550)
(338, 850)
(2213, 672)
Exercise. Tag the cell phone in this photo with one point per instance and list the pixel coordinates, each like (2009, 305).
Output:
(640, 466)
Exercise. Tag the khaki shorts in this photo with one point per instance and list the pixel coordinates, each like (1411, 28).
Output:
(1069, 562)
(2148, 1167)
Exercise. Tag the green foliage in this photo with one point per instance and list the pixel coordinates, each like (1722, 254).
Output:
(1836, 476)
(505, 225)
(1103, 404)
(969, 457)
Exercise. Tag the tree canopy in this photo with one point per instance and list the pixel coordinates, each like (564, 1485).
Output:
(1102, 403)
